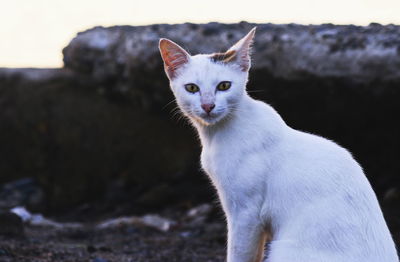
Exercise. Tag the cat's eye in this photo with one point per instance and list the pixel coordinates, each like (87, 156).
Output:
(192, 88)
(224, 85)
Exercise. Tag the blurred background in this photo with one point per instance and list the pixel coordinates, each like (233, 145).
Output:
(89, 131)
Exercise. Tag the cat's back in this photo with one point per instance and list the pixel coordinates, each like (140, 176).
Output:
(318, 151)
(296, 147)
(318, 167)
(325, 183)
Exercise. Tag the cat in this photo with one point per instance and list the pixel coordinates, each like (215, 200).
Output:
(303, 194)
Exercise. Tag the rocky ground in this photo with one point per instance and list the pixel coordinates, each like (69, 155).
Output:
(195, 235)
(189, 239)
(120, 245)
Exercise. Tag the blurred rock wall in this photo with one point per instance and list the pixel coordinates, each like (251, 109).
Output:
(103, 128)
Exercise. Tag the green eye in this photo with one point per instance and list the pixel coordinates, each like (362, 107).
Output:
(192, 88)
(224, 85)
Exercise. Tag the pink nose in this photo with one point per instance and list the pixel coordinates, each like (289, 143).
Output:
(207, 107)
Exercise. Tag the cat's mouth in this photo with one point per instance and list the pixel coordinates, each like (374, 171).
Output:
(210, 118)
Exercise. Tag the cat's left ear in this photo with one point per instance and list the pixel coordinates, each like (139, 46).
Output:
(173, 56)
(239, 53)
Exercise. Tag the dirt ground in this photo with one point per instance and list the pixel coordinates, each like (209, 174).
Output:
(201, 241)
(204, 243)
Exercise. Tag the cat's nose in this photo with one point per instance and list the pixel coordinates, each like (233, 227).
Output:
(207, 107)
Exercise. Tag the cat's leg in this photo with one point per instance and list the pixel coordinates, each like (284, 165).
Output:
(246, 239)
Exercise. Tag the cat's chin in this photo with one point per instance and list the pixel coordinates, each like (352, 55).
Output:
(208, 120)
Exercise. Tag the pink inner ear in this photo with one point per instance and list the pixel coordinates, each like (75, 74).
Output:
(244, 55)
(242, 47)
(174, 57)
(244, 61)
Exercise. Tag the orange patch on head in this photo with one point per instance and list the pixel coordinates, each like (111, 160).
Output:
(226, 57)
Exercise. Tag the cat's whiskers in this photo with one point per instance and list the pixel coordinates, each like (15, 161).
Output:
(177, 113)
(170, 102)
(256, 91)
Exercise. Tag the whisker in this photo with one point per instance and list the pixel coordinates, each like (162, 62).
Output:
(170, 102)
(256, 91)
(178, 115)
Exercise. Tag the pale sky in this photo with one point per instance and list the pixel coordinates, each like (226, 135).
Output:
(33, 32)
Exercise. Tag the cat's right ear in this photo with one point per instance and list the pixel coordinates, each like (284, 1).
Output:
(173, 56)
(238, 53)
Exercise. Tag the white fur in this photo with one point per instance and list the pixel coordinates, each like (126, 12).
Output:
(306, 192)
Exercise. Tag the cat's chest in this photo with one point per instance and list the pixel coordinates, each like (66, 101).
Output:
(219, 161)
(238, 173)
(228, 160)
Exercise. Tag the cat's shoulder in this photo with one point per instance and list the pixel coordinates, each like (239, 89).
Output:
(318, 147)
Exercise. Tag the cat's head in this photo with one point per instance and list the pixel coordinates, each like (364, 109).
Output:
(208, 88)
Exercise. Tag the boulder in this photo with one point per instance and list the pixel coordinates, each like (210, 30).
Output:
(292, 52)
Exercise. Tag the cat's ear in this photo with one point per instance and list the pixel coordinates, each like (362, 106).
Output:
(173, 56)
(239, 53)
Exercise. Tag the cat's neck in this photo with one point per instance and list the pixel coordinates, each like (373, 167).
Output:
(249, 118)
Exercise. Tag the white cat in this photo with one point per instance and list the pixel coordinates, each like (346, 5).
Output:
(303, 194)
